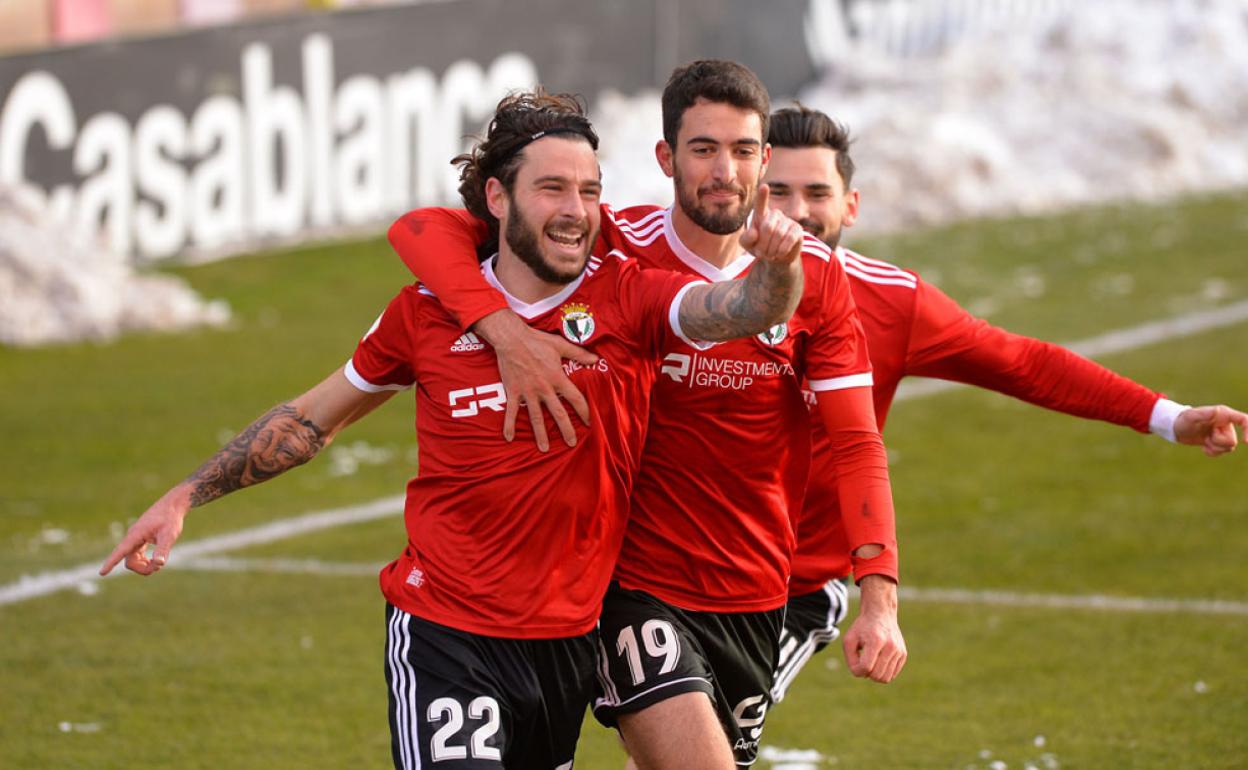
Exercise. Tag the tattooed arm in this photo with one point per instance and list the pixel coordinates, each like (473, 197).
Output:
(765, 297)
(286, 436)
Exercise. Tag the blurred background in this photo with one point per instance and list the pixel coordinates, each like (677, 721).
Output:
(193, 197)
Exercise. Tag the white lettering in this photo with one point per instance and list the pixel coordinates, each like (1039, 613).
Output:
(268, 164)
(108, 195)
(357, 173)
(38, 99)
(217, 184)
(274, 122)
(160, 141)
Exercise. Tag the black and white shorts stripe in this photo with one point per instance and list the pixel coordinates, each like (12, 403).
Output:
(810, 624)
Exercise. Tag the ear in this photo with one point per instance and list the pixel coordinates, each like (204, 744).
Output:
(850, 215)
(495, 197)
(766, 157)
(663, 153)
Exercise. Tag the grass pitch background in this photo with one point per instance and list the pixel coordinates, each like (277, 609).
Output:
(250, 670)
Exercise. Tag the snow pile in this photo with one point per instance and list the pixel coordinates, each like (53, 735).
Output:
(55, 287)
(1109, 101)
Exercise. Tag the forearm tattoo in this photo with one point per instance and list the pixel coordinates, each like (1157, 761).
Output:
(731, 309)
(273, 444)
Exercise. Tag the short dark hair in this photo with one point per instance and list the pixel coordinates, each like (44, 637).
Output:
(800, 126)
(519, 119)
(715, 80)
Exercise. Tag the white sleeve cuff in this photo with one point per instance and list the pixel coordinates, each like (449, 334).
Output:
(1165, 412)
(673, 318)
(360, 383)
(863, 380)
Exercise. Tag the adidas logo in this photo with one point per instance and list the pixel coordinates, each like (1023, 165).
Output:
(467, 344)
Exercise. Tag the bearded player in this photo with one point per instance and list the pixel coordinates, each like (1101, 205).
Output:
(914, 329)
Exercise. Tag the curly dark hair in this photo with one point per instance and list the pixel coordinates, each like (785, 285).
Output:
(715, 80)
(519, 119)
(800, 126)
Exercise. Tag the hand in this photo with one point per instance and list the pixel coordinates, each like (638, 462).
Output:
(873, 645)
(1210, 427)
(530, 364)
(160, 526)
(771, 236)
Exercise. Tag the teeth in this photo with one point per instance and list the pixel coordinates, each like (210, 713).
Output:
(569, 239)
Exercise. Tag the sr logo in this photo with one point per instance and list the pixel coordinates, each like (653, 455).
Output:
(470, 401)
(676, 366)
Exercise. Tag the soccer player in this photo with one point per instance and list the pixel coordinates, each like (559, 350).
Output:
(492, 606)
(690, 627)
(914, 329)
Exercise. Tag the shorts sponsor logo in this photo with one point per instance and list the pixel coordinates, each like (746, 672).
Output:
(721, 373)
(750, 714)
(415, 578)
(578, 322)
(468, 343)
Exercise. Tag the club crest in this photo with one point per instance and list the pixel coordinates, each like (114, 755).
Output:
(775, 335)
(578, 322)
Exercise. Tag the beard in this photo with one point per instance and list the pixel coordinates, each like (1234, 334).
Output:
(830, 236)
(525, 243)
(714, 219)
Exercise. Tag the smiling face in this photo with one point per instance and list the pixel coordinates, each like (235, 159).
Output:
(807, 187)
(550, 217)
(716, 164)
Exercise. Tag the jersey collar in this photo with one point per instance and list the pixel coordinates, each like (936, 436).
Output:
(524, 309)
(698, 264)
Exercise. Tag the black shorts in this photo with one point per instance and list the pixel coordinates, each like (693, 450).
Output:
(652, 651)
(461, 700)
(810, 622)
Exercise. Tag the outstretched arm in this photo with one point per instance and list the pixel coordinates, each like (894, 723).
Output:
(768, 294)
(948, 342)
(286, 436)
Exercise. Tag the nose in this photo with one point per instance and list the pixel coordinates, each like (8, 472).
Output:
(792, 206)
(723, 169)
(573, 205)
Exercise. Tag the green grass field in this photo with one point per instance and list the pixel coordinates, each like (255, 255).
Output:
(196, 669)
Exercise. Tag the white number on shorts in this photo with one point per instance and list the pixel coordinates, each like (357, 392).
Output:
(661, 642)
(451, 710)
(477, 709)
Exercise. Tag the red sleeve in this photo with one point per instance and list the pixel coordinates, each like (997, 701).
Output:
(836, 356)
(439, 246)
(948, 342)
(861, 467)
(384, 358)
(650, 299)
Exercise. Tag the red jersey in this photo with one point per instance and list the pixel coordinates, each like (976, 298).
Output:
(727, 457)
(726, 463)
(504, 540)
(914, 329)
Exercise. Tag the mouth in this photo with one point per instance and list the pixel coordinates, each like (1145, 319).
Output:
(567, 238)
(722, 195)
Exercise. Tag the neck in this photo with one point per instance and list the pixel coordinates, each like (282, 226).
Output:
(519, 280)
(718, 250)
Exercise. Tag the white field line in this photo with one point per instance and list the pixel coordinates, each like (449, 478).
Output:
(31, 587)
(1119, 341)
(1095, 602)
